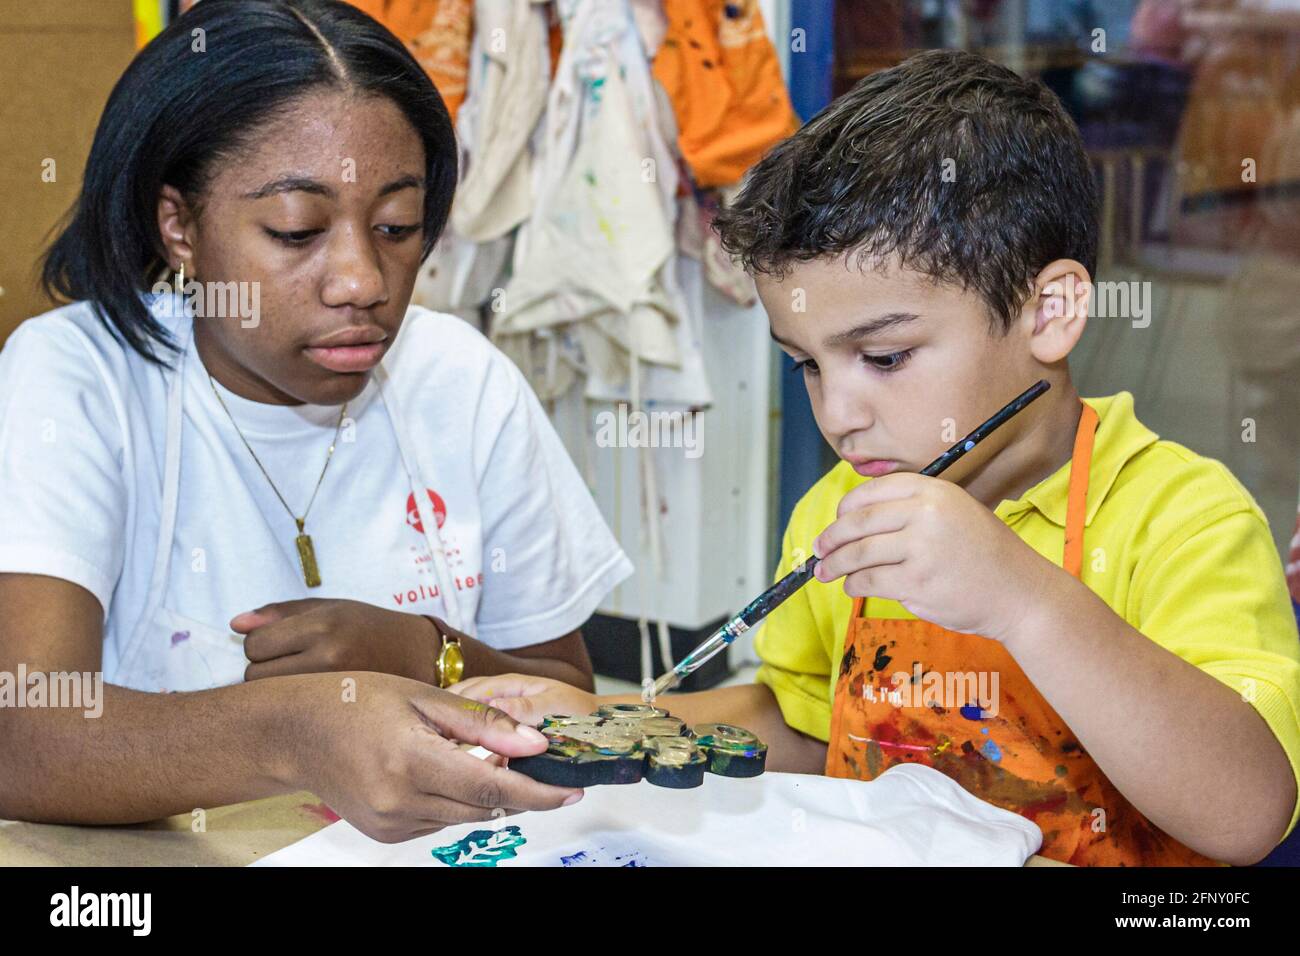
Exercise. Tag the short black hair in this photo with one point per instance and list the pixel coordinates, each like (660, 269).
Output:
(175, 113)
(866, 176)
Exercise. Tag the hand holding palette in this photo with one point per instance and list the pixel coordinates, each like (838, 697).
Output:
(626, 743)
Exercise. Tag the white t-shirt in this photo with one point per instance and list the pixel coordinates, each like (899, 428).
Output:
(447, 477)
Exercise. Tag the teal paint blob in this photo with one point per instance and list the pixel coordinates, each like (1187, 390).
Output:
(481, 848)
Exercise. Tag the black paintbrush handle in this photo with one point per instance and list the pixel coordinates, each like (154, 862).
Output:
(983, 431)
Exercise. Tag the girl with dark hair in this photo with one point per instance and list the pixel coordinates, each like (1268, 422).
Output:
(239, 462)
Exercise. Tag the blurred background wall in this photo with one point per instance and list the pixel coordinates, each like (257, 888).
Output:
(58, 61)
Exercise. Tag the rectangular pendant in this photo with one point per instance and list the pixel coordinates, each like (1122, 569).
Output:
(307, 556)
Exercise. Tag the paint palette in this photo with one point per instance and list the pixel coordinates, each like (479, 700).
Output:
(628, 743)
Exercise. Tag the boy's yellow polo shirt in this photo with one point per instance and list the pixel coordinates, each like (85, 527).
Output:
(1174, 544)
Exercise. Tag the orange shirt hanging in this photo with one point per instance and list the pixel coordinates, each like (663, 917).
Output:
(724, 79)
(438, 34)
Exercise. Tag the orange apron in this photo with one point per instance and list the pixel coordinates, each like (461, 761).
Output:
(1017, 753)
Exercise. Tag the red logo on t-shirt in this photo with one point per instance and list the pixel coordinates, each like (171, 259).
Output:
(413, 513)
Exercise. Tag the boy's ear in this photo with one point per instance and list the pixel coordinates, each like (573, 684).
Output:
(176, 225)
(1057, 312)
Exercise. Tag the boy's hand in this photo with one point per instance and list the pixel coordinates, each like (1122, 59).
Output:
(929, 545)
(527, 699)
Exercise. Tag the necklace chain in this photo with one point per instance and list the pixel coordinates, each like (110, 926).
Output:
(328, 457)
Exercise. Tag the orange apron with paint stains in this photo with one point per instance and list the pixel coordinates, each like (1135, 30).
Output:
(1018, 753)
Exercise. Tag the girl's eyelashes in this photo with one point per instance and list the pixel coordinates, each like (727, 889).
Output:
(297, 237)
(807, 365)
(300, 237)
(400, 232)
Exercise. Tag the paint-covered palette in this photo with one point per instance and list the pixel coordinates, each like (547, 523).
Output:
(628, 743)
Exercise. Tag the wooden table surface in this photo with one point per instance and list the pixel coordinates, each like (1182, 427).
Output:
(233, 836)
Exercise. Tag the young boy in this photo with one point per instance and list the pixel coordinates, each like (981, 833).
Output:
(923, 248)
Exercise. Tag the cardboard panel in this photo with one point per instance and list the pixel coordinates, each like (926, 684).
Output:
(58, 61)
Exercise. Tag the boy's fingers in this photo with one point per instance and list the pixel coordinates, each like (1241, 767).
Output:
(879, 550)
(885, 488)
(879, 518)
(475, 688)
(468, 687)
(883, 581)
(522, 709)
(500, 685)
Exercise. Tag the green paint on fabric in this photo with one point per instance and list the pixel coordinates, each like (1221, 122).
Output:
(481, 848)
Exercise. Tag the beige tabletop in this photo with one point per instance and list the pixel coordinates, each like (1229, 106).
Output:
(230, 836)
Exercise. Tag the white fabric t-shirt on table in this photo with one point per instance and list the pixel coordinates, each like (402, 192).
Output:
(83, 432)
(911, 815)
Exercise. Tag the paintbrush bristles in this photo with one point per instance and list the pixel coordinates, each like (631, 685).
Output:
(663, 685)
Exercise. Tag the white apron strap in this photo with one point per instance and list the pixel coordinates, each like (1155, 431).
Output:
(432, 535)
(167, 512)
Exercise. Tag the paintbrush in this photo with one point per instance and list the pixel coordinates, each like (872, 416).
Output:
(771, 599)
